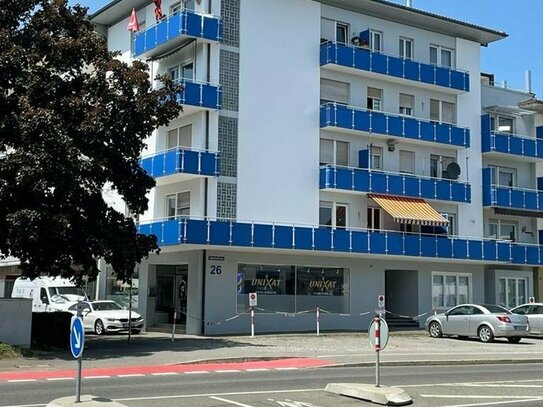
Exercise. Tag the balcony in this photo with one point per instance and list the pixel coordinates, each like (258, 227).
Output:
(245, 235)
(363, 180)
(173, 30)
(362, 59)
(342, 117)
(199, 95)
(510, 144)
(182, 160)
(521, 201)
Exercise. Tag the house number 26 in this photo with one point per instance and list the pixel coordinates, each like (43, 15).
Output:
(216, 269)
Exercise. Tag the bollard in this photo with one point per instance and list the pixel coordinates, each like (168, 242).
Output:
(252, 322)
(173, 325)
(377, 321)
(318, 312)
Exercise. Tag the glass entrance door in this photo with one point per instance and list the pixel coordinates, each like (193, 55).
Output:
(172, 292)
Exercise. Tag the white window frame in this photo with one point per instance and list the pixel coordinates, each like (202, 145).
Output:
(440, 113)
(403, 48)
(444, 275)
(334, 152)
(498, 223)
(333, 206)
(495, 172)
(412, 163)
(374, 210)
(376, 102)
(345, 26)
(176, 196)
(377, 153)
(452, 227)
(179, 68)
(379, 35)
(325, 82)
(439, 61)
(495, 120)
(440, 167)
(178, 131)
(517, 302)
(405, 110)
(180, 6)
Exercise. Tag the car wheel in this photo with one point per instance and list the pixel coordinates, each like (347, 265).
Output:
(485, 334)
(99, 327)
(514, 339)
(434, 329)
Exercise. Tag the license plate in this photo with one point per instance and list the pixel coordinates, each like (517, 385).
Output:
(520, 328)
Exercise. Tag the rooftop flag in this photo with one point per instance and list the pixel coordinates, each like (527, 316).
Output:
(133, 24)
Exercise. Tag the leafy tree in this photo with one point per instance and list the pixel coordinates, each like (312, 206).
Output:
(73, 120)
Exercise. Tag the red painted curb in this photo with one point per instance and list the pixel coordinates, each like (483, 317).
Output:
(299, 363)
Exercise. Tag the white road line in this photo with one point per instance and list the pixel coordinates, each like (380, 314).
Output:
(131, 375)
(197, 372)
(286, 368)
(55, 379)
(164, 374)
(257, 370)
(235, 403)
(188, 396)
(467, 396)
(27, 405)
(21, 380)
(227, 371)
(528, 386)
(97, 377)
(495, 403)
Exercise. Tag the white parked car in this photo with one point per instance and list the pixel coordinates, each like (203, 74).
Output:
(102, 317)
(534, 312)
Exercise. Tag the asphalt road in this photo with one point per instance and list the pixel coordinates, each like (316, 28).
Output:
(430, 386)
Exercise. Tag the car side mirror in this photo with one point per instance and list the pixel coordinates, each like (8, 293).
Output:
(87, 312)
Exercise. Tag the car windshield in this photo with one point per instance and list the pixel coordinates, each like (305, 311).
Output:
(106, 306)
(496, 309)
(66, 290)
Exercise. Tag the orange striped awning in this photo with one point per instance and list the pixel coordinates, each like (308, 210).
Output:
(413, 211)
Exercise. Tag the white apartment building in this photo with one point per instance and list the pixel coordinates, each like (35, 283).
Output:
(329, 151)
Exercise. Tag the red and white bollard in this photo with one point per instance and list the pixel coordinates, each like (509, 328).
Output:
(318, 313)
(377, 321)
(252, 322)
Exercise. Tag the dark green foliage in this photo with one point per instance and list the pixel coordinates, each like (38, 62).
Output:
(73, 120)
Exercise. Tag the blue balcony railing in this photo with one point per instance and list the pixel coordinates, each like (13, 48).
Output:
(380, 182)
(200, 94)
(366, 60)
(319, 239)
(521, 199)
(493, 141)
(185, 23)
(182, 161)
(357, 119)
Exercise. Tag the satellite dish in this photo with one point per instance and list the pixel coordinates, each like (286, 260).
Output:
(453, 170)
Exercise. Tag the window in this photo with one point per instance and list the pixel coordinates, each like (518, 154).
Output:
(375, 98)
(407, 102)
(342, 33)
(43, 296)
(180, 137)
(376, 41)
(406, 48)
(333, 214)
(334, 152)
(505, 124)
(441, 56)
(376, 158)
(334, 91)
(443, 112)
(407, 162)
(512, 291)
(450, 289)
(183, 71)
(438, 166)
(503, 176)
(182, 5)
(502, 230)
(178, 205)
(374, 218)
(451, 228)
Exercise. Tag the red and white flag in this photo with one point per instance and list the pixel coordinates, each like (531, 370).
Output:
(158, 10)
(133, 24)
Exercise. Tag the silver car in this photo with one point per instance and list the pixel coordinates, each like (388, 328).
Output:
(483, 321)
(534, 312)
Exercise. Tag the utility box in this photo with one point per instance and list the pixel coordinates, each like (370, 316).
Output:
(15, 321)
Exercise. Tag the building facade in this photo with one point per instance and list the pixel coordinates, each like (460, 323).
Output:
(328, 152)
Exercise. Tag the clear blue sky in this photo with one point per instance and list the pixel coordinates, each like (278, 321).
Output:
(508, 59)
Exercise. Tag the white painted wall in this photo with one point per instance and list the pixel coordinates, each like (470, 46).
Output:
(279, 111)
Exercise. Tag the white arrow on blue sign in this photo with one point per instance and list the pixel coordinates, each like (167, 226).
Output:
(77, 337)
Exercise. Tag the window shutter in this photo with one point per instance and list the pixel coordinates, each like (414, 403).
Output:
(407, 161)
(335, 91)
(342, 153)
(185, 136)
(327, 151)
(406, 100)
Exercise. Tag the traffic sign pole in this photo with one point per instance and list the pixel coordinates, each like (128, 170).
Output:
(78, 380)
(77, 344)
(252, 322)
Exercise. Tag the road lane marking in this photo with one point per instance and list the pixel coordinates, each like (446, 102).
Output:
(257, 370)
(197, 372)
(27, 405)
(58, 379)
(227, 371)
(467, 396)
(164, 374)
(286, 368)
(496, 403)
(188, 396)
(235, 403)
(131, 375)
(97, 377)
(21, 380)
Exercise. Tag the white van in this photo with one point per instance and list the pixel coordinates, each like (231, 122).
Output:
(48, 294)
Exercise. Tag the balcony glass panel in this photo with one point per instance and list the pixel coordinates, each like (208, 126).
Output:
(387, 124)
(182, 160)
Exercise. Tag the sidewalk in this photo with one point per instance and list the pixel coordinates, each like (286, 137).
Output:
(157, 350)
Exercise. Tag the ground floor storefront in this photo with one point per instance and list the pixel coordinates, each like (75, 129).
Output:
(207, 291)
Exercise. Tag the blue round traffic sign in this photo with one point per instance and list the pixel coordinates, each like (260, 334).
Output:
(77, 337)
